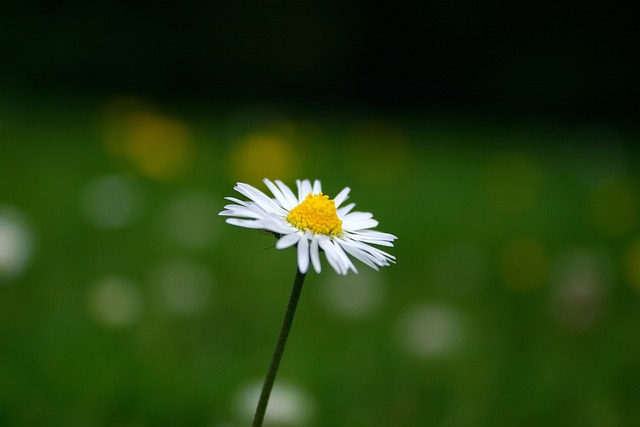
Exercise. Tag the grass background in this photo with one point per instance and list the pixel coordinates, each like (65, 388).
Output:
(514, 300)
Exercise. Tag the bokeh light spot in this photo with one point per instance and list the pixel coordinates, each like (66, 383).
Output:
(114, 302)
(523, 264)
(431, 331)
(263, 155)
(512, 181)
(189, 219)
(580, 283)
(156, 146)
(16, 243)
(112, 201)
(612, 207)
(353, 296)
(289, 405)
(182, 287)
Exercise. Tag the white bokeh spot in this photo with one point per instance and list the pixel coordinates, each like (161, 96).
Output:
(182, 287)
(114, 302)
(16, 243)
(431, 331)
(189, 220)
(112, 201)
(354, 296)
(288, 405)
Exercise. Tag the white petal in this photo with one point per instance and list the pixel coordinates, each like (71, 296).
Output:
(342, 196)
(284, 202)
(238, 201)
(261, 199)
(234, 210)
(293, 201)
(336, 257)
(344, 259)
(304, 188)
(246, 223)
(355, 216)
(358, 221)
(287, 240)
(372, 236)
(329, 253)
(376, 255)
(343, 211)
(317, 187)
(380, 235)
(359, 224)
(277, 225)
(303, 255)
(315, 255)
(361, 255)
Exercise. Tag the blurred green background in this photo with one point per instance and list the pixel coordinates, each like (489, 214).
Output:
(498, 145)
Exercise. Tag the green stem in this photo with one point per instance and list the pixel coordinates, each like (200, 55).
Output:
(277, 352)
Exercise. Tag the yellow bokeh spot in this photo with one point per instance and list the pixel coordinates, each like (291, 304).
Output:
(524, 265)
(613, 207)
(260, 155)
(317, 213)
(155, 145)
(632, 265)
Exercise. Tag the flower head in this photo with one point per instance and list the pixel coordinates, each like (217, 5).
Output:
(312, 222)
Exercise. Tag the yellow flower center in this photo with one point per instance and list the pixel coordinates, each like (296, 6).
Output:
(317, 214)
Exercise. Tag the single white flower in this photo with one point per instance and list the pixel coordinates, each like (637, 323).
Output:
(313, 222)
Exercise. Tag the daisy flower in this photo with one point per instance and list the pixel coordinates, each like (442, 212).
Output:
(313, 222)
